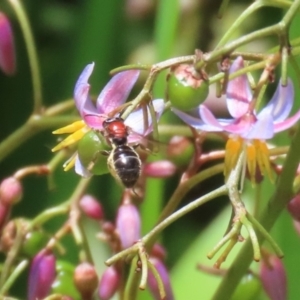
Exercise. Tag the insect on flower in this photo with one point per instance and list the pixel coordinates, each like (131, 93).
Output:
(99, 119)
(123, 161)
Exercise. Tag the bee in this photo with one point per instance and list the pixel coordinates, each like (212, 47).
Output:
(123, 161)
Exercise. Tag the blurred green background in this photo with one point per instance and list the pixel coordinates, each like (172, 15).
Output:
(69, 35)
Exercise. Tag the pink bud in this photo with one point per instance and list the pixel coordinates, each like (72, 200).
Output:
(109, 283)
(86, 280)
(294, 207)
(158, 251)
(128, 224)
(273, 277)
(91, 207)
(7, 47)
(163, 272)
(159, 169)
(41, 275)
(11, 191)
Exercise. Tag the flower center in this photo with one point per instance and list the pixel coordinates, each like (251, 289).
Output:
(257, 156)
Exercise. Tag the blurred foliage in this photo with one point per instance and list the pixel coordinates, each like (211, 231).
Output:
(70, 34)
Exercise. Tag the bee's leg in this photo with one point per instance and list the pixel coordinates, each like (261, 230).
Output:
(95, 158)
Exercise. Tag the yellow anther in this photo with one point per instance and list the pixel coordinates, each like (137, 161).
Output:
(263, 159)
(71, 139)
(251, 155)
(232, 152)
(69, 164)
(70, 128)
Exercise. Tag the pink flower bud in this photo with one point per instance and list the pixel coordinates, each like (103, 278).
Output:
(109, 283)
(273, 277)
(7, 48)
(11, 191)
(159, 169)
(128, 224)
(294, 207)
(91, 207)
(86, 280)
(158, 251)
(163, 272)
(41, 275)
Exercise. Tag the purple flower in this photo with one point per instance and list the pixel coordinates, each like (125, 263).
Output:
(41, 275)
(246, 126)
(108, 103)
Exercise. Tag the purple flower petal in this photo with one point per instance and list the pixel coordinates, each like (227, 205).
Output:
(136, 120)
(81, 92)
(281, 103)
(95, 121)
(116, 91)
(262, 129)
(238, 93)
(287, 123)
(195, 122)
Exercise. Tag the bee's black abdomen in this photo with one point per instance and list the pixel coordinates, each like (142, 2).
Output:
(127, 165)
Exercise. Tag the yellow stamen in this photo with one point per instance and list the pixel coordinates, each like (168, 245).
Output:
(69, 164)
(70, 128)
(71, 139)
(232, 152)
(251, 155)
(262, 158)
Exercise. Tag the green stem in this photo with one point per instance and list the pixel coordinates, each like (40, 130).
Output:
(13, 276)
(34, 125)
(32, 54)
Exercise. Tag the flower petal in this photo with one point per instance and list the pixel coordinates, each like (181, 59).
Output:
(116, 91)
(197, 123)
(262, 129)
(80, 169)
(281, 103)
(81, 92)
(238, 93)
(136, 121)
(280, 126)
(95, 121)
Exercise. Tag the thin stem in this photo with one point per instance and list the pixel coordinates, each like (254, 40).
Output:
(13, 276)
(32, 55)
(148, 238)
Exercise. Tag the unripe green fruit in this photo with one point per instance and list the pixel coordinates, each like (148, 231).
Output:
(186, 89)
(90, 152)
(248, 288)
(34, 242)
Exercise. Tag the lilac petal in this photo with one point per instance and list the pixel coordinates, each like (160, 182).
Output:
(281, 103)
(238, 93)
(195, 122)
(116, 91)
(287, 123)
(262, 129)
(95, 121)
(81, 92)
(208, 118)
(135, 120)
(80, 169)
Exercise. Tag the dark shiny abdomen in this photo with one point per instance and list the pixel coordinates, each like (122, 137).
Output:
(127, 165)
